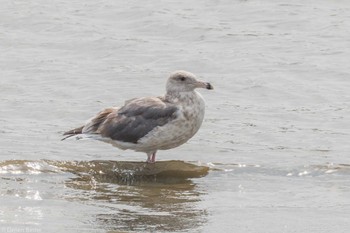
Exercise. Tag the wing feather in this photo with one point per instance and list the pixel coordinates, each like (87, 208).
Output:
(132, 121)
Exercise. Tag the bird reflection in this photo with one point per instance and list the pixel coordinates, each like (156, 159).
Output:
(125, 196)
(155, 207)
(149, 204)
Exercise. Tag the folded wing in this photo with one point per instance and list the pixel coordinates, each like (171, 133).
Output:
(132, 121)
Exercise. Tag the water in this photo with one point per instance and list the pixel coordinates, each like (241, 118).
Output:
(275, 136)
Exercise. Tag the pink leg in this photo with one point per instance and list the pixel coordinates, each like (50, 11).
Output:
(151, 157)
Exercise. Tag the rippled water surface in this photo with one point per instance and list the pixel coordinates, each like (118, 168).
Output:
(272, 154)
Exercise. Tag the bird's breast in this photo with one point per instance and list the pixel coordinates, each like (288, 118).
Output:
(188, 121)
(192, 110)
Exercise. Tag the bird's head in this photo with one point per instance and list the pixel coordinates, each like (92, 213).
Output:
(183, 81)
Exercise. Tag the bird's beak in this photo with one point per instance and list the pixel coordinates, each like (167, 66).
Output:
(205, 85)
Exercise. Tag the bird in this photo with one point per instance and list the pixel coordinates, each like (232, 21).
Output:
(149, 124)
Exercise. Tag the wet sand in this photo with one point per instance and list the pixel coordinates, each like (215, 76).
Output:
(275, 136)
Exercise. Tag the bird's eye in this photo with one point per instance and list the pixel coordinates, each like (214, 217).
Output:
(182, 78)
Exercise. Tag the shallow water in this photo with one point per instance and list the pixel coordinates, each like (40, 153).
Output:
(275, 137)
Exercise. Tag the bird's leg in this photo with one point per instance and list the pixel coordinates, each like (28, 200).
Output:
(151, 157)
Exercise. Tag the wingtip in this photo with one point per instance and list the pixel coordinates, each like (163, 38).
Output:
(72, 133)
(67, 137)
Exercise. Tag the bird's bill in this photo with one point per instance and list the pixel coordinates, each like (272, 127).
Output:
(205, 85)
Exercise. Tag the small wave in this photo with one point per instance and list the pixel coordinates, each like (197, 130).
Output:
(26, 167)
(298, 171)
(109, 171)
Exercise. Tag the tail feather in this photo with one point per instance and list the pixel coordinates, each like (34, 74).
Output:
(92, 126)
(72, 132)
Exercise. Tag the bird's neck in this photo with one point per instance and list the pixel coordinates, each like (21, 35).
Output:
(175, 97)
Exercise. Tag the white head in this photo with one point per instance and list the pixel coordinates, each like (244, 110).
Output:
(183, 81)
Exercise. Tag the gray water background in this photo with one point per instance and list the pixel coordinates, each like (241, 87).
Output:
(276, 132)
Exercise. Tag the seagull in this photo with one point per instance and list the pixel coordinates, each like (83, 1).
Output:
(149, 124)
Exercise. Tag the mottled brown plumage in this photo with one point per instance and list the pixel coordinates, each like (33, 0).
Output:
(149, 124)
